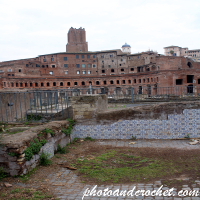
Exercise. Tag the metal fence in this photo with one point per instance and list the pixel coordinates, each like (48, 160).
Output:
(55, 104)
(34, 106)
(153, 94)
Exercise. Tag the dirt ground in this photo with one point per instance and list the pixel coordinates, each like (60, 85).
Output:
(186, 160)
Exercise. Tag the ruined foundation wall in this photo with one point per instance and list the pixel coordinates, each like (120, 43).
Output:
(19, 142)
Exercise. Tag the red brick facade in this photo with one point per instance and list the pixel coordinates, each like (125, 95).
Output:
(77, 68)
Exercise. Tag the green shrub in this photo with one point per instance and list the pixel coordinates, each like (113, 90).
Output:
(2, 173)
(34, 148)
(89, 138)
(46, 130)
(187, 136)
(61, 150)
(33, 117)
(28, 153)
(43, 142)
(44, 159)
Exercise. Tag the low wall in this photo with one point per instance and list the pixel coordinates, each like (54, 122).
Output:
(174, 127)
(18, 143)
(86, 107)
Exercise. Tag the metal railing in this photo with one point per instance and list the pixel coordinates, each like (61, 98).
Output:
(34, 106)
(51, 105)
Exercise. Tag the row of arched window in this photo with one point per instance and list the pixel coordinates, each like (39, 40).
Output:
(75, 83)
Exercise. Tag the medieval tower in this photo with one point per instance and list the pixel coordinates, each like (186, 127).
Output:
(76, 40)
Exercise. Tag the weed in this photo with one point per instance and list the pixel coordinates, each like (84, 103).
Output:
(57, 156)
(187, 136)
(71, 122)
(67, 131)
(25, 177)
(26, 123)
(133, 138)
(2, 173)
(12, 154)
(46, 130)
(3, 195)
(61, 150)
(89, 138)
(76, 139)
(44, 159)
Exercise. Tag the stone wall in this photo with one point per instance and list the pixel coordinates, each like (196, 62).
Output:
(157, 121)
(86, 107)
(18, 143)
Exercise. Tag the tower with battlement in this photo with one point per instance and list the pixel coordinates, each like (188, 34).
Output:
(77, 40)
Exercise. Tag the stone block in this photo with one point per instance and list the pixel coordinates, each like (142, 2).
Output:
(13, 165)
(14, 172)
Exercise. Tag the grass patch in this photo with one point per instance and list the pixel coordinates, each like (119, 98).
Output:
(26, 177)
(114, 166)
(25, 194)
(14, 132)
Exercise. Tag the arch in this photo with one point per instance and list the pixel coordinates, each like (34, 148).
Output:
(83, 83)
(54, 83)
(41, 84)
(47, 84)
(61, 83)
(97, 83)
(36, 84)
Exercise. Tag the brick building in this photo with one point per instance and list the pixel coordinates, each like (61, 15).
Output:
(179, 51)
(78, 68)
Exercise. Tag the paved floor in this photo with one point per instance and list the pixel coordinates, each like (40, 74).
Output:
(68, 186)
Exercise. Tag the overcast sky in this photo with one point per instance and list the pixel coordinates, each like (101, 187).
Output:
(32, 28)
